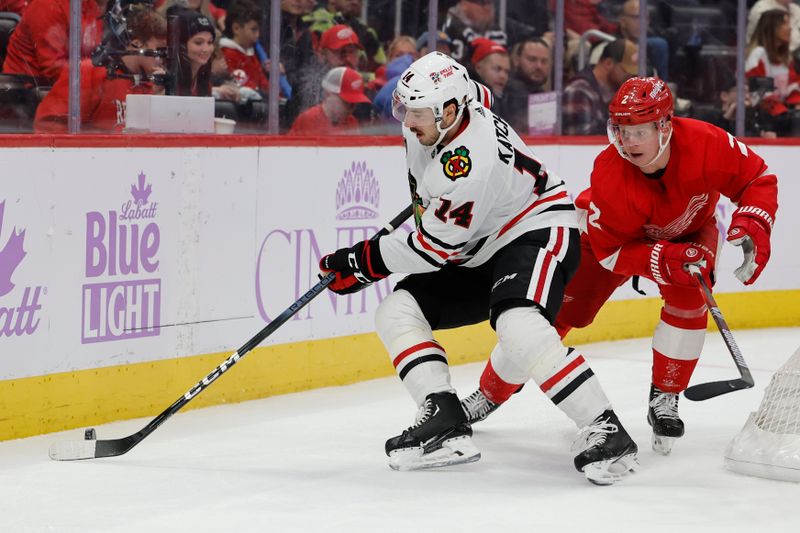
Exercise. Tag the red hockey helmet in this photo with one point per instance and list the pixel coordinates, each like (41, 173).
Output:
(641, 100)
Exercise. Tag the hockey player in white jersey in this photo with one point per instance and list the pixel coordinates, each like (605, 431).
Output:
(496, 238)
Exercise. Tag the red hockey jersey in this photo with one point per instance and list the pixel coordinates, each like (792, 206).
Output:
(102, 102)
(628, 212)
(39, 45)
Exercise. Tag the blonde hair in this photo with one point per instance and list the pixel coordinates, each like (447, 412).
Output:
(400, 39)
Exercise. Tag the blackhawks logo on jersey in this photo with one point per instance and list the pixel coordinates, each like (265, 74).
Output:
(457, 165)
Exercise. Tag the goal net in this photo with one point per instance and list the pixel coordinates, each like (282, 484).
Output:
(769, 443)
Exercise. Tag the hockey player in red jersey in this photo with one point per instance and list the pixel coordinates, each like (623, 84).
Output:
(496, 238)
(650, 212)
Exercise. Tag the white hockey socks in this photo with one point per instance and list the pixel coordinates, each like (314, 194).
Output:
(420, 361)
(529, 347)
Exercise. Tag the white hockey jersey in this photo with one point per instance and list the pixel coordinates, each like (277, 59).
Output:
(473, 196)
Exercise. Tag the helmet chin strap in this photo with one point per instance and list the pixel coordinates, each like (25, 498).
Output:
(662, 145)
(443, 132)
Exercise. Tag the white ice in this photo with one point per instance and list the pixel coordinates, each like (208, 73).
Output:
(314, 461)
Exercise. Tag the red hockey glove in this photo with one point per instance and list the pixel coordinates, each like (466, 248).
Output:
(750, 229)
(355, 267)
(669, 262)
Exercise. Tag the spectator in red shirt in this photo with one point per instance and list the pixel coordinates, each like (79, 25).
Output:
(343, 88)
(583, 15)
(14, 6)
(39, 45)
(104, 88)
(338, 47)
(241, 35)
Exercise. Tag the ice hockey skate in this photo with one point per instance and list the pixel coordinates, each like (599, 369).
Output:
(663, 416)
(441, 436)
(607, 453)
(478, 407)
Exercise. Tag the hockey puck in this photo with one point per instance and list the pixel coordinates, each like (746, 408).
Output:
(89, 434)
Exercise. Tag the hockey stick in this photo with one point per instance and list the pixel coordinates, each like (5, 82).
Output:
(89, 448)
(704, 391)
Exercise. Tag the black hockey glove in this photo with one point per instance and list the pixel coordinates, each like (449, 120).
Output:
(355, 267)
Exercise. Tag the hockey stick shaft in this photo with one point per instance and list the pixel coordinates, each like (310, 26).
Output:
(109, 448)
(704, 391)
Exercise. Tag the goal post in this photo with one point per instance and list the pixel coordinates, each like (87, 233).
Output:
(769, 443)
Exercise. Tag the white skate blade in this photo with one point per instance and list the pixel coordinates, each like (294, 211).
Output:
(455, 451)
(663, 445)
(612, 470)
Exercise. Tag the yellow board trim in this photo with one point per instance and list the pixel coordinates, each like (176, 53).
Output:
(43, 404)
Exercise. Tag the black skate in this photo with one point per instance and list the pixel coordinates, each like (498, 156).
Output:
(440, 437)
(663, 416)
(608, 453)
(478, 407)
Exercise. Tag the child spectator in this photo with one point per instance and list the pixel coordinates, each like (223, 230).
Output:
(104, 88)
(343, 88)
(241, 35)
(39, 45)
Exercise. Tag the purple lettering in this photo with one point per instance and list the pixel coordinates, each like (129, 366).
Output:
(259, 293)
(95, 235)
(21, 320)
(149, 246)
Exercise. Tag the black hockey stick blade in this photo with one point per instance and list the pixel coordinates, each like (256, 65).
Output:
(705, 391)
(90, 448)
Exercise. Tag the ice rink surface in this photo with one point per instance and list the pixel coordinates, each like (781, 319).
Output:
(314, 461)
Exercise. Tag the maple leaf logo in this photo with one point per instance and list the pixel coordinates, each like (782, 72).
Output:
(10, 256)
(139, 192)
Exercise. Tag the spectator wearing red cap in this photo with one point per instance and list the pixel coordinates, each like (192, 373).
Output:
(338, 47)
(38, 46)
(343, 88)
(348, 12)
(492, 65)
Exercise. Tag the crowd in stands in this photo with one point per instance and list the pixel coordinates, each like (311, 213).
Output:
(338, 68)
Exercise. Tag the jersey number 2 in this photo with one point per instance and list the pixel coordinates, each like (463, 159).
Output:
(461, 215)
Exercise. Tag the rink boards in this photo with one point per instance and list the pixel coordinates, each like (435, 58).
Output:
(128, 270)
